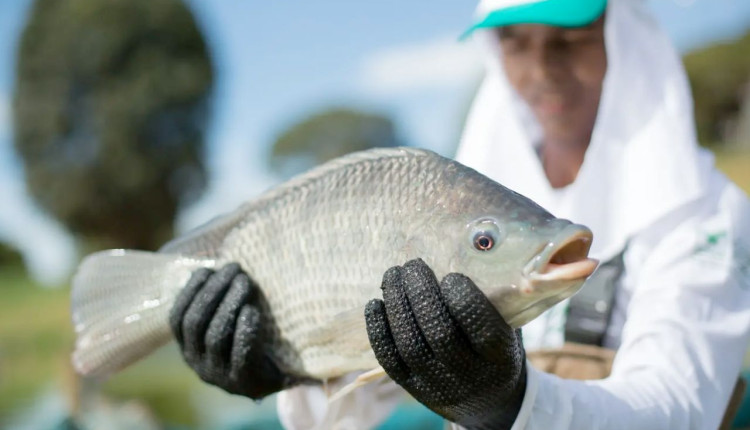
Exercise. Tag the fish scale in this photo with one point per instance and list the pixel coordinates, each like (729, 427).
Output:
(317, 246)
(292, 296)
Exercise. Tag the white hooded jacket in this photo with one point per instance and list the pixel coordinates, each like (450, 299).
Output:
(682, 311)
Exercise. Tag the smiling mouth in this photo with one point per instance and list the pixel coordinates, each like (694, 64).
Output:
(565, 258)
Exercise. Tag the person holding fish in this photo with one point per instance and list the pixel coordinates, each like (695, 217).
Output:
(586, 110)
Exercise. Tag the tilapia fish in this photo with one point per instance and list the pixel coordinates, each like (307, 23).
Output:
(318, 246)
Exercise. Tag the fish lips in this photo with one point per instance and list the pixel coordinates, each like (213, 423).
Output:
(556, 272)
(564, 258)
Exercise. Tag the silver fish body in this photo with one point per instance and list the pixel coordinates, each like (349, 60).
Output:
(319, 244)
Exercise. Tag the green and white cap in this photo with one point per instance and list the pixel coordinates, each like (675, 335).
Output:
(560, 13)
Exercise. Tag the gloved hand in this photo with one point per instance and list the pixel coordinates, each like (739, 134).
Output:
(448, 347)
(218, 322)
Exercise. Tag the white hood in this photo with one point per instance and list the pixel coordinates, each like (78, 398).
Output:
(643, 160)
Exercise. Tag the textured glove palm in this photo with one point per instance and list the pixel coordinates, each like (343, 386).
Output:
(218, 321)
(448, 347)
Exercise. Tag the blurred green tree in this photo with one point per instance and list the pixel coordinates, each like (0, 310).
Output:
(327, 135)
(10, 256)
(110, 107)
(720, 79)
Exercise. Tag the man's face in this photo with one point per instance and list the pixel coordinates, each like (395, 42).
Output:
(558, 72)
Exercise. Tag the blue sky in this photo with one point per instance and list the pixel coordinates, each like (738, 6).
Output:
(278, 61)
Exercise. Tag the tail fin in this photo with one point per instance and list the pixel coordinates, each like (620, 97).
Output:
(120, 303)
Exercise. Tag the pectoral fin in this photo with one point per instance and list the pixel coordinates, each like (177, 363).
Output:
(362, 380)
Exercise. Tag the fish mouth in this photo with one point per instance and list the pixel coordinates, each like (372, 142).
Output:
(564, 258)
(556, 272)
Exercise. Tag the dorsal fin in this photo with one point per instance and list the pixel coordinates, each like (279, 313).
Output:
(205, 240)
(337, 163)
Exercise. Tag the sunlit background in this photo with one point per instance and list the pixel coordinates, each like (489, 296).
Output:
(197, 106)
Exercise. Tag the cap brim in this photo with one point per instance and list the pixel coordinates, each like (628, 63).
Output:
(558, 13)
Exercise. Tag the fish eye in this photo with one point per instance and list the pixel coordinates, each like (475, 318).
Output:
(484, 234)
(483, 241)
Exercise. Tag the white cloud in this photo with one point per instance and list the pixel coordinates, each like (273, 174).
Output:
(427, 86)
(439, 63)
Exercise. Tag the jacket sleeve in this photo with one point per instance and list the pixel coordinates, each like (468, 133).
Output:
(685, 335)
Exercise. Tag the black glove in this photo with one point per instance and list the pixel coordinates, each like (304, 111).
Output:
(448, 347)
(218, 320)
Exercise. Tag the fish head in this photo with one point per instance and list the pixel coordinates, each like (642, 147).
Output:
(525, 269)
(523, 258)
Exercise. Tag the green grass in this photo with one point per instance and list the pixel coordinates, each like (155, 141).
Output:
(36, 339)
(163, 383)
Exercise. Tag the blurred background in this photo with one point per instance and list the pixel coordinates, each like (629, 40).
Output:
(125, 122)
